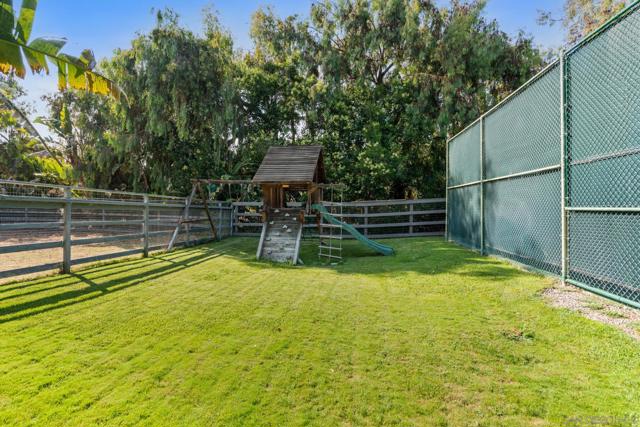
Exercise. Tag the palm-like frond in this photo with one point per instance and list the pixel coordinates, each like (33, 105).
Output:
(15, 47)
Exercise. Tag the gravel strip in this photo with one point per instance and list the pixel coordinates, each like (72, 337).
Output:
(596, 308)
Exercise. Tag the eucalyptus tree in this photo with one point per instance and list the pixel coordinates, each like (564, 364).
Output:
(381, 84)
(179, 119)
(581, 17)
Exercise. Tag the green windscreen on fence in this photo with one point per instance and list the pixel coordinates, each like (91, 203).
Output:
(516, 211)
(464, 212)
(464, 173)
(523, 134)
(603, 97)
(464, 153)
(522, 220)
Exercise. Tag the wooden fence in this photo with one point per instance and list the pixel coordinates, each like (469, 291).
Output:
(47, 227)
(378, 219)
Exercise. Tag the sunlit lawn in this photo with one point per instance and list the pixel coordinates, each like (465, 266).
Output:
(436, 335)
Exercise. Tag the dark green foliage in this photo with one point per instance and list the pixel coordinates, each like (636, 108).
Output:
(84, 121)
(381, 85)
(24, 154)
(178, 121)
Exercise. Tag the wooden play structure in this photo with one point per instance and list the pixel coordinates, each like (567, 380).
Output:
(287, 172)
(287, 175)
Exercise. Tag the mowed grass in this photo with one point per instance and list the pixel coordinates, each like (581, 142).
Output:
(436, 335)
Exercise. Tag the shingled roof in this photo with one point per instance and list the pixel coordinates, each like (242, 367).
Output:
(291, 164)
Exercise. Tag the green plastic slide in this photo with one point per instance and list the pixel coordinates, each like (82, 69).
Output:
(379, 247)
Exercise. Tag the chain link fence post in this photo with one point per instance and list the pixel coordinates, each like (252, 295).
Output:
(482, 178)
(446, 194)
(563, 167)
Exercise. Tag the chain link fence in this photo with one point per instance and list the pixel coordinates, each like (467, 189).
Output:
(550, 178)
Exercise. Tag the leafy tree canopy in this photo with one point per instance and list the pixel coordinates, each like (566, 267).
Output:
(581, 17)
(380, 84)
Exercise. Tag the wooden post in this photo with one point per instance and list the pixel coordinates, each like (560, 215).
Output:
(205, 201)
(232, 215)
(366, 220)
(219, 220)
(66, 238)
(411, 217)
(145, 227)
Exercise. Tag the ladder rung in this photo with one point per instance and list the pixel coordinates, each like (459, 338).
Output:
(331, 237)
(330, 248)
(330, 256)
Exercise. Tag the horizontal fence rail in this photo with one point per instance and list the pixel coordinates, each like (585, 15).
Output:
(378, 219)
(50, 227)
(556, 187)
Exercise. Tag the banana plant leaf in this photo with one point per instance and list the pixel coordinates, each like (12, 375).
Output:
(41, 53)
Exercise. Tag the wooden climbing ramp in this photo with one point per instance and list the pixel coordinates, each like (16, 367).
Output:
(281, 236)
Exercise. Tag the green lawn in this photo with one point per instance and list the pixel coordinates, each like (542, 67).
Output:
(436, 335)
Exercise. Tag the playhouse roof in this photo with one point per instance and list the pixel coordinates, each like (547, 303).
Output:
(291, 164)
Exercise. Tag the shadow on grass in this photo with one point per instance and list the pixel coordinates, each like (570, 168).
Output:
(125, 274)
(422, 256)
(426, 256)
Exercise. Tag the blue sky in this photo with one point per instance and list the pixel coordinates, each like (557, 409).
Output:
(104, 25)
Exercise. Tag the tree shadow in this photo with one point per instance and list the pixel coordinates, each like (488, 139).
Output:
(426, 256)
(57, 292)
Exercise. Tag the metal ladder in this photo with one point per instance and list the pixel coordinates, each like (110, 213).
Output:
(330, 246)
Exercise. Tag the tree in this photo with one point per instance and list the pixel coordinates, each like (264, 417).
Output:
(276, 85)
(581, 17)
(380, 85)
(24, 153)
(85, 125)
(179, 121)
(22, 138)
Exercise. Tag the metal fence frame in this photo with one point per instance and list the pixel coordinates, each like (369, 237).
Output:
(564, 166)
(68, 199)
